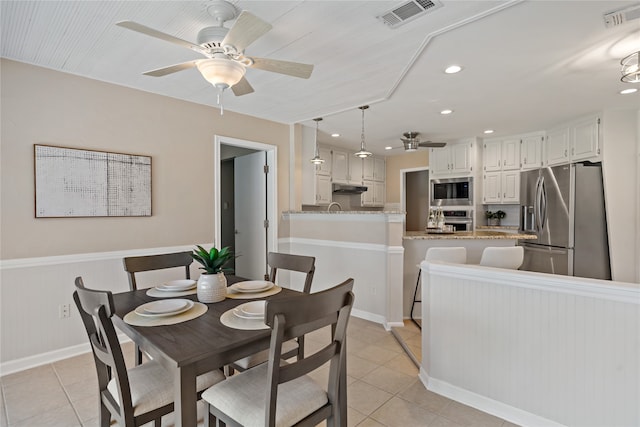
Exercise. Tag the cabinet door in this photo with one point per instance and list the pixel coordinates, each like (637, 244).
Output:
(324, 168)
(584, 139)
(492, 155)
(323, 190)
(510, 154)
(439, 161)
(511, 187)
(339, 167)
(368, 168)
(379, 170)
(557, 146)
(461, 158)
(355, 170)
(491, 187)
(379, 193)
(531, 152)
(367, 198)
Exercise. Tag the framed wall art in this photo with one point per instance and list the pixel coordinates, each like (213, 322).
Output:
(72, 182)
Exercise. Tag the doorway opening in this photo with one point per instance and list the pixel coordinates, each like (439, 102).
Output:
(415, 197)
(245, 203)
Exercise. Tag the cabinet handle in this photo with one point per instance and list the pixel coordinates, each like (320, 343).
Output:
(565, 153)
(525, 160)
(504, 163)
(573, 151)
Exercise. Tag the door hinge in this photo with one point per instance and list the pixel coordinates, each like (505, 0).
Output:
(266, 168)
(266, 223)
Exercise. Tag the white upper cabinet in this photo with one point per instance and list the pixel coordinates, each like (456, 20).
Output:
(575, 141)
(324, 168)
(340, 166)
(456, 159)
(501, 154)
(374, 169)
(531, 151)
(355, 170)
(316, 179)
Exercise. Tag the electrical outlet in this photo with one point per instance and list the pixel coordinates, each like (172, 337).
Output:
(64, 310)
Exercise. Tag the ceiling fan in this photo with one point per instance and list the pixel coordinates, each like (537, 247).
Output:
(411, 142)
(225, 63)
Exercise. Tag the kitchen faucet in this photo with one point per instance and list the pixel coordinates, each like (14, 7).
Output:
(334, 204)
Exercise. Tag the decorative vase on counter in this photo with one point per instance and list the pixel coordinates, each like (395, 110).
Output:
(212, 287)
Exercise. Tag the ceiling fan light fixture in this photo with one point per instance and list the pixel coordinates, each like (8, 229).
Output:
(363, 153)
(221, 73)
(630, 68)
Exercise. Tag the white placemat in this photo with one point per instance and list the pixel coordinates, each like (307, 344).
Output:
(232, 321)
(153, 292)
(197, 310)
(232, 293)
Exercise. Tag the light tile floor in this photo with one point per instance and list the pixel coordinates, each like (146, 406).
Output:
(383, 388)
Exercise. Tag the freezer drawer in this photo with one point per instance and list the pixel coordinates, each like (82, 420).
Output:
(546, 259)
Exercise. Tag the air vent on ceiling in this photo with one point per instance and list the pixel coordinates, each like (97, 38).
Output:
(408, 11)
(619, 17)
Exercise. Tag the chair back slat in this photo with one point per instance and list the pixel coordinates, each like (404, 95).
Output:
(299, 263)
(96, 309)
(139, 264)
(288, 317)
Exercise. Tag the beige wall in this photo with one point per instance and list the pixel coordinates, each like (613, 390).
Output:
(41, 106)
(395, 164)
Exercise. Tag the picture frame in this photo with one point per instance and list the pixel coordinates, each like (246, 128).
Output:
(74, 182)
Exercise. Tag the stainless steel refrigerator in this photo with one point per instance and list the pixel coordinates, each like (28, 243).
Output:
(565, 207)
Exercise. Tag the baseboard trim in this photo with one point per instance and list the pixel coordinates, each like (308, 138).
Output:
(485, 404)
(29, 362)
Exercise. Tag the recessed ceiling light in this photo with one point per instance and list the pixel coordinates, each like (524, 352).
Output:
(452, 69)
(446, 111)
(628, 91)
(335, 135)
(388, 148)
(488, 131)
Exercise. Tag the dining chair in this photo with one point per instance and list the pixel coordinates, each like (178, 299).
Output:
(510, 257)
(456, 254)
(133, 396)
(138, 264)
(278, 262)
(280, 393)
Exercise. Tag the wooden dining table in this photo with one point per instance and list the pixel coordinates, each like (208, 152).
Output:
(197, 346)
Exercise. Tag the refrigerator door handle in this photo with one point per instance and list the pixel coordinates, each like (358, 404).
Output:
(536, 205)
(543, 203)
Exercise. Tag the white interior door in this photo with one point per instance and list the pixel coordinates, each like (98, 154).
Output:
(250, 214)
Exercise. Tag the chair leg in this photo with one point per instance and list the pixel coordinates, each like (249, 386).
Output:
(157, 422)
(105, 416)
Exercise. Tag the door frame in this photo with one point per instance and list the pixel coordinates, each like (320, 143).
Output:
(272, 195)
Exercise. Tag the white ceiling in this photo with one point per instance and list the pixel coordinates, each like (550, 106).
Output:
(528, 65)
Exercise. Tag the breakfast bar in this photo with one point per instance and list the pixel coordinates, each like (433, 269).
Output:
(416, 243)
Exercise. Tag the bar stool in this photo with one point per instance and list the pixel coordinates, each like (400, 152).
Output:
(510, 257)
(456, 254)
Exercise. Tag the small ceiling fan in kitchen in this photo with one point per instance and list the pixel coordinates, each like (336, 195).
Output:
(224, 64)
(411, 142)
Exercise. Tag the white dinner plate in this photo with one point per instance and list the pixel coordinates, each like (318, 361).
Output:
(253, 286)
(165, 307)
(177, 285)
(250, 310)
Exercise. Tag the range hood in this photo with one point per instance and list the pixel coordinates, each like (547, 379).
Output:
(348, 189)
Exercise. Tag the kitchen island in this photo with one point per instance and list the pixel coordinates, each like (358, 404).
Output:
(364, 245)
(416, 243)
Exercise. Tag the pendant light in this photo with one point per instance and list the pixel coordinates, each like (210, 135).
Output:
(316, 159)
(363, 153)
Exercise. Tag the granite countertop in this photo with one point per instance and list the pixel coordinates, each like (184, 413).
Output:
(333, 212)
(468, 235)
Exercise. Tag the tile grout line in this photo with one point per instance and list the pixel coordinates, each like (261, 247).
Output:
(64, 390)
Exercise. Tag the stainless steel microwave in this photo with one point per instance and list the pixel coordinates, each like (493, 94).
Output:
(452, 192)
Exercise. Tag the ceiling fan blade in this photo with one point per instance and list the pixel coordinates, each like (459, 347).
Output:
(171, 69)
(431, 144)
(247, 29)
(159, 35)
(242, 87)
(295, 69)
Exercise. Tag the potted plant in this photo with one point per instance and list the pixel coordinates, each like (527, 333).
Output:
(493, 218)
(212, 285)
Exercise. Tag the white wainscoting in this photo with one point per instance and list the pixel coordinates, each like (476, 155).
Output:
(535, 349)
(375, 268)
(32, 290)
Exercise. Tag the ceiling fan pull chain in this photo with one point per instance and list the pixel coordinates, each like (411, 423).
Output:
(220, 93)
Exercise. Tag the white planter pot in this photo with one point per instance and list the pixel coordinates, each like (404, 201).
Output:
(212, 287)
